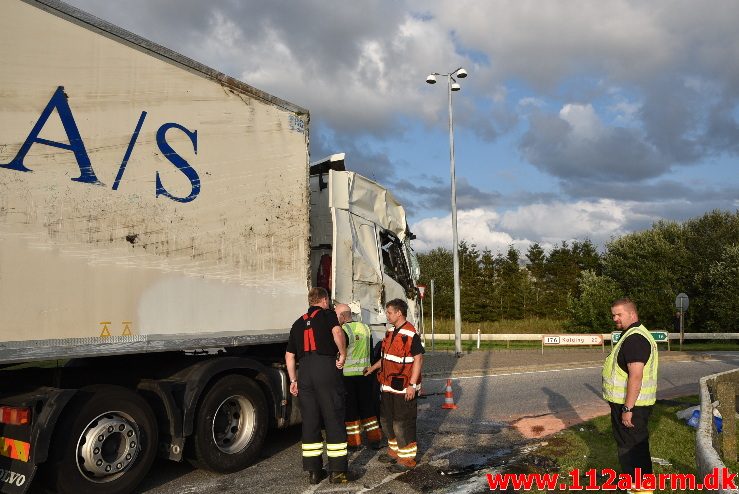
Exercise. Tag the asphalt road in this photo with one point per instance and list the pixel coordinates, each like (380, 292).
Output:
(498, 415)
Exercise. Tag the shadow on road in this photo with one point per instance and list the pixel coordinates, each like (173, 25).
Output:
(163, 472)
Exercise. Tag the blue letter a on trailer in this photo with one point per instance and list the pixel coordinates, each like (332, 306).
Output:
(59, 102)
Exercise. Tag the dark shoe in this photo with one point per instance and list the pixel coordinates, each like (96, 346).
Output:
(399, 468)
(317, 476)
(376, 446)
(354, 448)
(340, 477)
(385, 458)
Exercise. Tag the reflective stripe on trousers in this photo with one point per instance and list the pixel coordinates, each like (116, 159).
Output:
(353, 433)
(321, 402)
(372, 428)
(312, 449)
(336, 450)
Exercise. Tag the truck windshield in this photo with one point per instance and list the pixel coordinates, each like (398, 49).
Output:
(394, 262)
(413, 261)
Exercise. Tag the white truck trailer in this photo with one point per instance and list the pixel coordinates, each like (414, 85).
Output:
(160, 226)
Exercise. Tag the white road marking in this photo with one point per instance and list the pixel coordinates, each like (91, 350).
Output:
(442, 455)
(387, 479)
(311, 489)
(459, 378)
(352, 488)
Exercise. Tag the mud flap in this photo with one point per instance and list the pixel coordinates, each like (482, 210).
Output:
(15, 476)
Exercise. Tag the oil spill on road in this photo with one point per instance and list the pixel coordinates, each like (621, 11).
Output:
(466, 468)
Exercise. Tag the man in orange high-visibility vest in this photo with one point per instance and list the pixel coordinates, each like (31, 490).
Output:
(400, 379)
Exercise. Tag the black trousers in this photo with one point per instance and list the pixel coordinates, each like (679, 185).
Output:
(398, 418)
(359, 397)
(632, 443)
(321, 400)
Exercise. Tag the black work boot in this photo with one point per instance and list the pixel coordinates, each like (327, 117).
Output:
(399, 468)
(385, 458)
(340, 477)
(316, 476)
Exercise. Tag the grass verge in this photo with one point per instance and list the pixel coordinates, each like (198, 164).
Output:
(591, 446)
(517, 326)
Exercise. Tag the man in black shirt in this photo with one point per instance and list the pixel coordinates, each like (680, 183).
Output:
(316, 339)
(630, 387)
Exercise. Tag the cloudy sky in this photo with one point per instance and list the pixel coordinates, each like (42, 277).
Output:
(578, 119)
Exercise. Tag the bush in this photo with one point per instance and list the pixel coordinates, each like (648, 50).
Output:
(591, 312)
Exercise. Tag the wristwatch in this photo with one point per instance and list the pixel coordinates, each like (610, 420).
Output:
(415, 386)
(293, 381)
(625, 409)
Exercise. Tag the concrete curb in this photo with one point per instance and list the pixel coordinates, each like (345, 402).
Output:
(706, 457)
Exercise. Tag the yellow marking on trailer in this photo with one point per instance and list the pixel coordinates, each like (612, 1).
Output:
(105, 331)
(126, 328)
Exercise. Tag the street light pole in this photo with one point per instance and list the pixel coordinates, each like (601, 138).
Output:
(452, 85)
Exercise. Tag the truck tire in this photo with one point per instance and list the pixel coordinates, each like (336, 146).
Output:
(230, 425)
(105, 442)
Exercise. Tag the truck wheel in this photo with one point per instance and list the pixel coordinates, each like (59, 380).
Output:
(105, 443)
(231, 424)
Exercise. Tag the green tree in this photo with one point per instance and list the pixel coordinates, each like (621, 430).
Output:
(512, 285)
(586, 256)
(561, 278)
(437, 265)
(490, 277)
(706, 239)
(537, 279)
(591, 311)
(649, 266)
(499, 294)
(723, 280)
(472, 284)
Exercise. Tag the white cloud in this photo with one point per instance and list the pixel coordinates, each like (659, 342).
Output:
(583, 120)
(476, 226)
(576, 145)
(545, 41)
(625, 113)
(531, 102)
(552, 223)
(547, 224)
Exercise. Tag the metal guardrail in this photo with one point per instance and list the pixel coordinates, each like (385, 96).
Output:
(538, 336)
(491, 337)
(508, 337)
(708, 442)
(705, 336)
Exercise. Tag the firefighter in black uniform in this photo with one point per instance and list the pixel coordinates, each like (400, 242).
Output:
(316, 338)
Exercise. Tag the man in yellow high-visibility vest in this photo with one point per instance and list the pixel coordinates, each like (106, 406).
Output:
(630, 387)
(360, 399)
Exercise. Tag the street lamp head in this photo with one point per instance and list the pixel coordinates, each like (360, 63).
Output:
(461, 73)
(431, 79)
(456, 86)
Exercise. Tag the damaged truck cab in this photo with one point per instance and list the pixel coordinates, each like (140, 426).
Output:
(360, 244)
